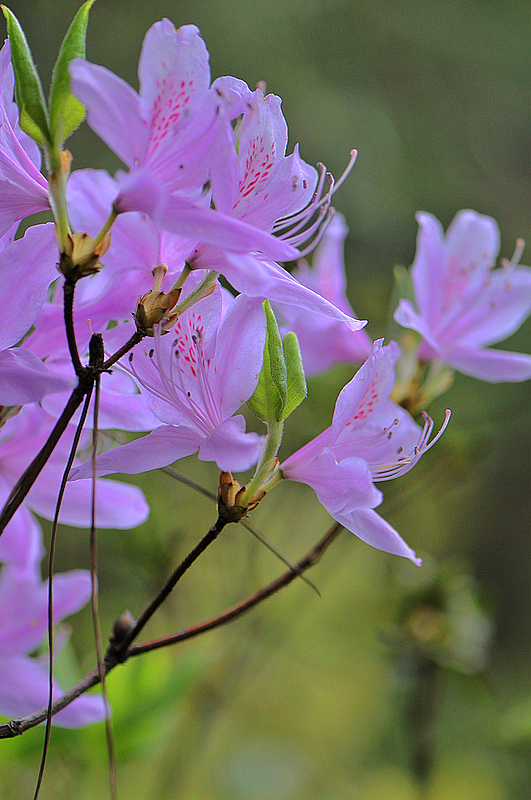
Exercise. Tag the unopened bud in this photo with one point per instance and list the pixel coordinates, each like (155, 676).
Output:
(81, 256)
(155, 307)
(122, 628)
(231, 504)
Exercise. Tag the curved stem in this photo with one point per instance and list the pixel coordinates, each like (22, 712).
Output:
(121, 648)
(68, 300)
(16, 727)
(50, 588)
(26, 481)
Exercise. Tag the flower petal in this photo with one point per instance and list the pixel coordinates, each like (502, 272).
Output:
(25, 379)
(372, 529)
(158, 449)
(490, 365)
(230, 447)
(113, 109)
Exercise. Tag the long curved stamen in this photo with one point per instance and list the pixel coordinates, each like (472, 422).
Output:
(291, 229)
(407, 462)
(517, 255)
(287, 222)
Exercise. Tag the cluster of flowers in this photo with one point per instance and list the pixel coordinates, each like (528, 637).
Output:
(209, 192)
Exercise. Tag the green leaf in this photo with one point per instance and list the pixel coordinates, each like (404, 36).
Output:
(66, 111)
(270, 395)
(297, 390)
(28, 89)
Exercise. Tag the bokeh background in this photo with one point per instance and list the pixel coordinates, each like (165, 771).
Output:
(398, 683)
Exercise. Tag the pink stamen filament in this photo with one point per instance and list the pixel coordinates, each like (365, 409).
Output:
(405, 463)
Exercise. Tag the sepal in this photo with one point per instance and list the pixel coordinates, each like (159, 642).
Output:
(28, 88)
(66, 111)
(270, 395)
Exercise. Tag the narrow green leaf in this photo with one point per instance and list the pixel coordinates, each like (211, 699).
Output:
(270, 395)
(28, 89)
(66, 111)
(297, 390)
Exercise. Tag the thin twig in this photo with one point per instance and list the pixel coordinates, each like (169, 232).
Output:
(26, 481)
(68, 302)
(58, 504)
(120, 649)
(262, 538)
(16, 727)
(94, 597)
(134, 340)
(240, 608)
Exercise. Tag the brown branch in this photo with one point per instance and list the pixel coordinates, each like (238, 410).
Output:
(130, 343)
(119, 649)
(311, 558)
(18, 726)
(68, 303)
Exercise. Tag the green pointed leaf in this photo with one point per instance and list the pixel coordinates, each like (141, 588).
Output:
(297, 390)
(66, 111)
(270, 395)
(28, 89)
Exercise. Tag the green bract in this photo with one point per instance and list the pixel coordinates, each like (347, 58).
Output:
(282, 385)
(28, 88)
(48, 127)
(66, 112)
(296, 379)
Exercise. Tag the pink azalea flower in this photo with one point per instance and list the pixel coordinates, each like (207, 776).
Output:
(176, 135)
(165, 135)
(463, 304)
(273, 192)
(23, 190)
(325, 341)
(194, 380)
(370, 439)
(23, 625)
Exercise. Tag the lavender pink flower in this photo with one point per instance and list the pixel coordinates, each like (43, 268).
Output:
(371, 439)
(194, 379)
(463, 303)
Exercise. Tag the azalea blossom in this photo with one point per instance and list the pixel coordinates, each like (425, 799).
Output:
(24, 681)
(463, 303)
(273, 192)
(194, 380)
(371, 439)
(177, 138)
(166, 135)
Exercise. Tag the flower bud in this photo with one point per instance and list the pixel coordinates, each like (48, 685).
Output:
(80, 256)
(122, 628)
(231, 497)
(155, 306)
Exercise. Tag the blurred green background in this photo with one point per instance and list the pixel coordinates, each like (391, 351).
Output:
(400, 683)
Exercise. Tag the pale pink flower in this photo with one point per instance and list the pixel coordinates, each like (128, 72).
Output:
(463, 303)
